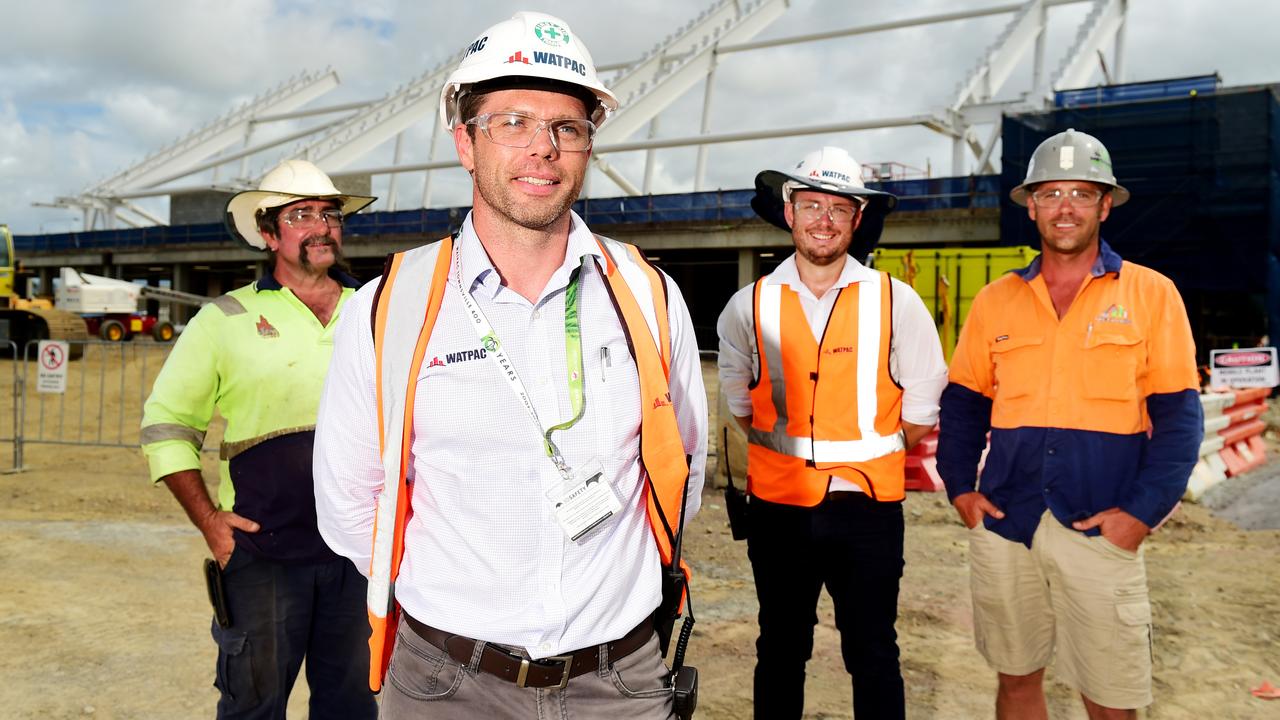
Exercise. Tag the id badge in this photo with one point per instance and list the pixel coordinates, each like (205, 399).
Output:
(584, 501)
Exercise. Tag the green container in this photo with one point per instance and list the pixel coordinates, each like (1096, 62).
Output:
(947, 279)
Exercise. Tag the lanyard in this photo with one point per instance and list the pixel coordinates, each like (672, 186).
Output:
(573, 357)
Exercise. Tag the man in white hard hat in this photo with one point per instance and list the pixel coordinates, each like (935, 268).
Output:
(258, 355)
(1082, 368)
(834, 371)
(513, 431)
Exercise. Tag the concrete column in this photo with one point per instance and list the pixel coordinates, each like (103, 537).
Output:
(748, 267)
(180, 314)
(46, 281)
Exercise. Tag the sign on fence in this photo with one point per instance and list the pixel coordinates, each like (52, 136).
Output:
(52, 377)
(1251, 367)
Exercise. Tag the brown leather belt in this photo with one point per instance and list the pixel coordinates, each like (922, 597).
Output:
(544, 673)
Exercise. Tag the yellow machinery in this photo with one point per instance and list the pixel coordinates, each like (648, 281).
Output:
(21, 319)
(947, 279)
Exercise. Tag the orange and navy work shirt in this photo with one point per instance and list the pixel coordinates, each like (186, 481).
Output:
(1098, 409)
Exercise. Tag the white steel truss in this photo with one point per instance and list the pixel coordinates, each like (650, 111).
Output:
(645, 86)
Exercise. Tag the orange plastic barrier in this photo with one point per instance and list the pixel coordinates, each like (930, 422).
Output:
(1243, 412)
(1242, 431)
(1251, 394)
(922, 467)
(1244, 455)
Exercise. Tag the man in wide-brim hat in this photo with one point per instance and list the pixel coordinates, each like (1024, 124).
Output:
(259, 356)
(834, 371)
(832, 171)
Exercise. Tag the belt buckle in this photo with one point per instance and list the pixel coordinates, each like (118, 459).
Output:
(566, 660)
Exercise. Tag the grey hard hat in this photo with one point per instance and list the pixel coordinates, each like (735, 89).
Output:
(1070, 155)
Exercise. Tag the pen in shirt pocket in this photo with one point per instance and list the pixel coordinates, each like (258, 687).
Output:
(604, 363)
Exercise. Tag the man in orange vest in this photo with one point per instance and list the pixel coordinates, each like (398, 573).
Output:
(1083, 369)
(514, 425)
(834, 371)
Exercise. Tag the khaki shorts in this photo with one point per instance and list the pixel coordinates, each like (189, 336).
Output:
(1081, 594)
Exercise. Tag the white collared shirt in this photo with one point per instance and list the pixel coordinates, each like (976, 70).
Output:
(915, 355)
(484, 555)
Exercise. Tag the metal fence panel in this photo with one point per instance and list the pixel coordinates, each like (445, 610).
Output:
(107, 385)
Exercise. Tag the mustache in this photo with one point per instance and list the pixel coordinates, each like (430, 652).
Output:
(317, 241)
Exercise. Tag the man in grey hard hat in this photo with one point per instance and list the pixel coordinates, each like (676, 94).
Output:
(258, 355)
(834, 370)
(1082, 368)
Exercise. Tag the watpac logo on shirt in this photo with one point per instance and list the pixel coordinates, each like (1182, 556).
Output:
(840, 349)
(662, 401)
(1115, 314)
(463, 356)
(266, 329)
(456, 357)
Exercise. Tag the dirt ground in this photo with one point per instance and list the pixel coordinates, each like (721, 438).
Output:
(103, 613)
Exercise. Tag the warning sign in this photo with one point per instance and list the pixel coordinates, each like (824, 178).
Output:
(1252, 367)
(52, 364)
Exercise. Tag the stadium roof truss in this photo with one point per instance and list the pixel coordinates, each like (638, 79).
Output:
(646, 86)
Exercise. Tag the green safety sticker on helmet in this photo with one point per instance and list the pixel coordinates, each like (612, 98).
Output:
(1101, 159)
(551, 33)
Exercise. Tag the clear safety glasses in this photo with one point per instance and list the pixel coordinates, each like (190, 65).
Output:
(517, 130)
(1075, 197)
(310, 217)
(809, 210)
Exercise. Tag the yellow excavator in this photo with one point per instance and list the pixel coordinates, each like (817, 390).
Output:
(23, 319)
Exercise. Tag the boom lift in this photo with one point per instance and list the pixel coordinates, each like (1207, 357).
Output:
(110, 306)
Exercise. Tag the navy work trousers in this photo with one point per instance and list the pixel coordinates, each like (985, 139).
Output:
(281, 613)
(852, 545)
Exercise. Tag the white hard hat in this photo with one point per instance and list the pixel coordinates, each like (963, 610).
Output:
(288, 182)
(1070, 155)
(830, 170)
(530, 45)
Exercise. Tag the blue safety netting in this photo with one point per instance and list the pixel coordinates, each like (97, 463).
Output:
(1130, 92)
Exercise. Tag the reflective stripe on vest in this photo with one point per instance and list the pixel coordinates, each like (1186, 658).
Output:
(638, 292)
(824, 406)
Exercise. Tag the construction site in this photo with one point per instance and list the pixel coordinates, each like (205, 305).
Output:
(105, 611)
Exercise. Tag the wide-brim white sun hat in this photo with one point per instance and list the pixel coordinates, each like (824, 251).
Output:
(829, 170)
(531, 45)
(288, 182)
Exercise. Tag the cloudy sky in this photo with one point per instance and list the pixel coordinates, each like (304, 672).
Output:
(90, 88)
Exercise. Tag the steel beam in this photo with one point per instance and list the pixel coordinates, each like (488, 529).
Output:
(379, 121)
(219, 134)
(1098, 29)
(666, 85)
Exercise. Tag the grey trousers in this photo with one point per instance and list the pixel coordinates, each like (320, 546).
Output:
(424, 682)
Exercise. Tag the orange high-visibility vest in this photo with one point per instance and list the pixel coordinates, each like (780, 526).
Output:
(829, 409)
(409, 309)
